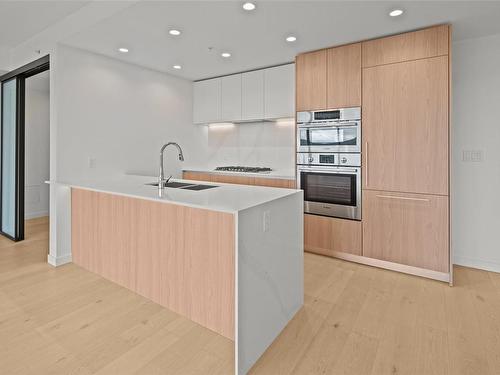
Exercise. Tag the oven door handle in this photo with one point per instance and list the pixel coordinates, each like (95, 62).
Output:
(332, 171)
(403, 198)
(327, 125)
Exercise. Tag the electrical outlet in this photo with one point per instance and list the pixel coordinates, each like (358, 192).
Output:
(472, 156)
(266, 221)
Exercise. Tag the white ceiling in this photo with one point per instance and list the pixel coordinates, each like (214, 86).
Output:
(256, 39)
(21, 20)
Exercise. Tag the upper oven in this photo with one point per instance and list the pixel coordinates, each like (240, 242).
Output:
(336, 130)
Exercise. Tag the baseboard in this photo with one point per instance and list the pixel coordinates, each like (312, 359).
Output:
(58, 261)
(416, 271)
(34, 215)
(476, 263)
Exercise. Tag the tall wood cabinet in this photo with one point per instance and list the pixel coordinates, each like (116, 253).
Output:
(406, 96)
(402, 83)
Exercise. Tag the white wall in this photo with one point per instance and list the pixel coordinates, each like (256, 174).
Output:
(476, 127)
(37, 146)
(120, 115)
(266, 144)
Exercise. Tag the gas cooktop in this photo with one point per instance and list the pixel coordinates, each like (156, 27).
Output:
(238, 168)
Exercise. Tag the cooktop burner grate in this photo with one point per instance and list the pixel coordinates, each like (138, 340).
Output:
(238, 168)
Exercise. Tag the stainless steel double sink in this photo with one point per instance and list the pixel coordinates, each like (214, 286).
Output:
(183, 185)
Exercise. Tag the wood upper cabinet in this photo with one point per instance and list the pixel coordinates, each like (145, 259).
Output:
(207, 101)
(410, 229)
(328, 235)
(344, 76)
(414, 45)
(329, 78)
(311, 80)
(405, 126)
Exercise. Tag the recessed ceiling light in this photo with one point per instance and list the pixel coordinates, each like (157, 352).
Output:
(174, 32)
(177, 67)
(123, 49)
(291, 38)
(396, 12)
(249, 6)
(225, 54)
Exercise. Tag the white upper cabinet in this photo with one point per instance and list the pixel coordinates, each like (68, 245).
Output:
(207, 101)
(231, 98)
(279, 92)
(264, 94)
(252, 88)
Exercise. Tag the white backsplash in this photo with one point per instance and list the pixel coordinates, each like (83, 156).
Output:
(266, 144)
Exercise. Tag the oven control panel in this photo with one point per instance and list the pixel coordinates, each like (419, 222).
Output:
(332, 159)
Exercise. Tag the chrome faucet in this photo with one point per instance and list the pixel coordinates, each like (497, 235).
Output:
(161, 176)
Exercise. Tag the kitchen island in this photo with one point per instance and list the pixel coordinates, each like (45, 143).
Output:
(229, 258)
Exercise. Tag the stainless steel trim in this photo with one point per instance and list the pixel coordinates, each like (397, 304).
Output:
(403, 198)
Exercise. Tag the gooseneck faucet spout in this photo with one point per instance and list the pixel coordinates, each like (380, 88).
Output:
(161, 176)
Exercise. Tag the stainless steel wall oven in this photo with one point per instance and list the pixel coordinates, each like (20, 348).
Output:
(329, 162)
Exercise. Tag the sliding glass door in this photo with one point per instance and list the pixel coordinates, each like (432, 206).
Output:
(10, 201)
(12, 147)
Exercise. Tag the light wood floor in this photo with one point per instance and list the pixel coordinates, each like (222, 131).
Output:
(356, 320)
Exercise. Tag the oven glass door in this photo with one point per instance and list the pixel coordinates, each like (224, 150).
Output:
(329, 188)
(329, 136)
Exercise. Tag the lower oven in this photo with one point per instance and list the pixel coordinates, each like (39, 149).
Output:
(331, 191)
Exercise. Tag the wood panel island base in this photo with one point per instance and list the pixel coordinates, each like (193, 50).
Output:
(229, 258)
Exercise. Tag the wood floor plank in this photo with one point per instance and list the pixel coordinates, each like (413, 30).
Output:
(356, 320)
(357, 356)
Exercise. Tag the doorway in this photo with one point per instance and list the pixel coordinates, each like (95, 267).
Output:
(13, 153)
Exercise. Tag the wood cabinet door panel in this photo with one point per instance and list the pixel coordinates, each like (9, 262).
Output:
(197, 176)
(240, 180)
(409, 229)
(344, 76)
(420, 44)
(328, 235)
(311, 80)
(405, 126)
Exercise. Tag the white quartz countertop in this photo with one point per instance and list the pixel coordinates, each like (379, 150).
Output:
(225, 197)
(277, 173)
